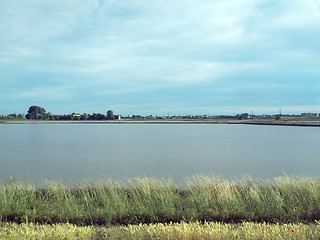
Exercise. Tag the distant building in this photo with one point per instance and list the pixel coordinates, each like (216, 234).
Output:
(67, 117)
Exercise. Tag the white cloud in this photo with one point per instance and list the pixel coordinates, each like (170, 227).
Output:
(42, 93)
(132, 46)
(299, 14)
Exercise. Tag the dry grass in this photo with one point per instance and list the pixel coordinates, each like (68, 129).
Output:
(196, 230)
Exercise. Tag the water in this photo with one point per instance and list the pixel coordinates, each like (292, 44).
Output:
(77, 152)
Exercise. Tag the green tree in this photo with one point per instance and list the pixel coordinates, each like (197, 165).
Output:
(110, 115)
(97, 116)
(12, 116)
(49, 116)
(242, 116)
(85, 116)
(36, 112)
(21, 116)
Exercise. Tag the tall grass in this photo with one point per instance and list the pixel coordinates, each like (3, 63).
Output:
(281, 200)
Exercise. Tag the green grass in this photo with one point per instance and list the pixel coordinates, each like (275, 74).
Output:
(281, 200)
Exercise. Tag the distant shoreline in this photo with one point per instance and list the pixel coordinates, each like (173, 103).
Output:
(246, 122)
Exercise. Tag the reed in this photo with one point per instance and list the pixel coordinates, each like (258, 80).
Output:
(144, 200)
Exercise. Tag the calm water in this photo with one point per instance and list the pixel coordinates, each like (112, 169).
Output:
(75, 152)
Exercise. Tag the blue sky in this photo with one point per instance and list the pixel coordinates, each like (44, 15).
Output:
(154, 57)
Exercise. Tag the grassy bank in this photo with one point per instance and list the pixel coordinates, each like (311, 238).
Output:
(196, 230)
(281, 200)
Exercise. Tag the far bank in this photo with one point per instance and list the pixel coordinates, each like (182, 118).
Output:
(311, 123)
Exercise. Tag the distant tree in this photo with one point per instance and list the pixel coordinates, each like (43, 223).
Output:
(242, 116)
(12, 116)
(138, 117)
(110, 115)
(278, 117)
(36, 112)
(97, 116)
(49, 116)
(85, 116)
(21, 116)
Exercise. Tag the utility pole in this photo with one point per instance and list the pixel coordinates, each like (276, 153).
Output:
(278, 117)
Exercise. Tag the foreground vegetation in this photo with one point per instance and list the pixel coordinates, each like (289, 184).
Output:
(281, 200)
(196, 230)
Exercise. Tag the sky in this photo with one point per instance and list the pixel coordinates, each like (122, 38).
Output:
(160, 57)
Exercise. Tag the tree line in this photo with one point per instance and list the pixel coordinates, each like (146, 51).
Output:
(39, 113)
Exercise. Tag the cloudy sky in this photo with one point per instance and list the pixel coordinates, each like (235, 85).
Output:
(154, 57)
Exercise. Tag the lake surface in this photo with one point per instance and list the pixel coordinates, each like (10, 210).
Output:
(77, 152)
